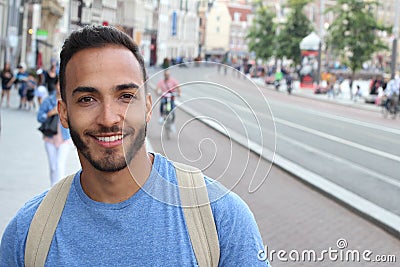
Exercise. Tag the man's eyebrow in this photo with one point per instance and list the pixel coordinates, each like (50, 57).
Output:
(84, 89)
(126, 86)
(88, 89)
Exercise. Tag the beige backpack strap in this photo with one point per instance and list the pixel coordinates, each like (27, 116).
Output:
(198, 215)
(44, 223)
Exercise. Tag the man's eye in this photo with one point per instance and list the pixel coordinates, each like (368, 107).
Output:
(86, 99)
(128, 96)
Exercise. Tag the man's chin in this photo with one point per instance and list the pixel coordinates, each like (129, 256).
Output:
(107, 166)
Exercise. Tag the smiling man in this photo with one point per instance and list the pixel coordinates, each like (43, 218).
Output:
(122, 208)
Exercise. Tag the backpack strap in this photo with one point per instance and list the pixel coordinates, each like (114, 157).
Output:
(198, 215)
(44, 223)
(195, 205)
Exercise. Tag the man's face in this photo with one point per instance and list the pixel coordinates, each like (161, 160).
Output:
(166, 75)
(101, 83)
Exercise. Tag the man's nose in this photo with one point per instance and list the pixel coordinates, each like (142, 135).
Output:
(110, 114)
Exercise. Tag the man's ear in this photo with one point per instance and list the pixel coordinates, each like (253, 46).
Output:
(62, 112)
(149, 103)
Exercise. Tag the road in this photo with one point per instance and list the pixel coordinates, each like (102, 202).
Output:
(290, 215)
(355, 149)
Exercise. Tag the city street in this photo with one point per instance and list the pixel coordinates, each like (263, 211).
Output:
(290, 214)
(356, 149)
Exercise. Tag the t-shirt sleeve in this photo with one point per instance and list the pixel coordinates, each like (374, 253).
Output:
(12, 247)
(9, 246)
(239, 237)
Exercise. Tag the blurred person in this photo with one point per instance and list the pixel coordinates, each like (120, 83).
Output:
(331, 85)
(21, 79)
(57, 146)
(358, 93)
(289, 81)
(41, 91)
(165, 86)
(51, 78)
(278, 78)
(6, 83)
(31, 85)
(109, 218)
(391, 94)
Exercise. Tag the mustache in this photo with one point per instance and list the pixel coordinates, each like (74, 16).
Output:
(113, 129)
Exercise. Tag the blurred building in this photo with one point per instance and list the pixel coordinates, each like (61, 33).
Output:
(218, 25)
(203, 8)
(137, 18)
(241, 19)
(178, 30)
(3, 29)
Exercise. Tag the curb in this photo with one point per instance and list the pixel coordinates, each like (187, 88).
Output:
(383, 218)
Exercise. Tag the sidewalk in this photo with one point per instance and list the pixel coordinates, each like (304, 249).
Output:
(343, 99)
(23, 160)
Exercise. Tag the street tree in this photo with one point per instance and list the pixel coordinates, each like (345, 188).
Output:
(353, 34)
(291, 32)
(261, 35)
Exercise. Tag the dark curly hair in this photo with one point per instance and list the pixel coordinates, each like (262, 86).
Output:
(92, 37)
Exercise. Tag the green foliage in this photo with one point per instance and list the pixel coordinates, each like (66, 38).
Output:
(261, 35)
(293, 31)
(353, 33)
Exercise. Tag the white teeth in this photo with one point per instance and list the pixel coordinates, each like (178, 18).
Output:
(110, 138)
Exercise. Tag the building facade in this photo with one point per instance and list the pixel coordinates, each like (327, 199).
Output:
(178, 30)
(241, 19)
(218, 27)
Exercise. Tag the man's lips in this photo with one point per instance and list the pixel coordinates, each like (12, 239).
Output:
(109, 140)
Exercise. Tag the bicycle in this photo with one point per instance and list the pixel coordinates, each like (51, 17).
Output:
(168, 115)
(390, 106)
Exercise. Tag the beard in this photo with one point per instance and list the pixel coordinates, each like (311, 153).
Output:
(111, 162)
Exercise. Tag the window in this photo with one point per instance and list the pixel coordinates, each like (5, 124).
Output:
(236, 16)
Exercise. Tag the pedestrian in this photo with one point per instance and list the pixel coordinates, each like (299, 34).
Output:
(391, 94)
(31, 86)
(57, 146)
(331, 85)
(166, 63)
(41, 90)
(6, 83)
(51, 78)
(21, 79)
(358, 93)
(351, 88)
(121, 208)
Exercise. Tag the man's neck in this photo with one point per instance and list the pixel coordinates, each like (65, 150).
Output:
(115, 187)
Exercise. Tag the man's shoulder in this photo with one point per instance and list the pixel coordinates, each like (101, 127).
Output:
(23, 217)
(223, 200)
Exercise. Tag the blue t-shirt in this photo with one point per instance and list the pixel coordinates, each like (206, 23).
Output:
(148, 229)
